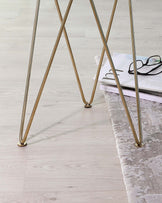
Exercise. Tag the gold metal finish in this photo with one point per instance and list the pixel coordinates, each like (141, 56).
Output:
(22, 144)
(114, 71)
(71, 54)
(29, 72)
(135, 73)
(139, 145)
(87, 106)
(103, 52)
(22, 138)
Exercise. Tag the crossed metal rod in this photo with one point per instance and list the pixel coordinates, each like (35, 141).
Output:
(23, 137)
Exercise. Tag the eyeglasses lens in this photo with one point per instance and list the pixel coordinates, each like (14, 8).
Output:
(139, 65)
(154, 60)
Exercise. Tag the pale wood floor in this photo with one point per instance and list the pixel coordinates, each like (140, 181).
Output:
(71, 155)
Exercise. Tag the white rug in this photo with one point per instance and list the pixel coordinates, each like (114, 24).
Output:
(141, 167)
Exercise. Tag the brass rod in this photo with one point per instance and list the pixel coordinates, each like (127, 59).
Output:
(47, 71)
(29, 71)
(103, 52)
(113, 70)
(135, 73)
(71, 54)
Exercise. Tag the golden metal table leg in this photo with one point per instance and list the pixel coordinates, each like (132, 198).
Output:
(103, 52)
(23, 139)
(21, 143)
(135, 74)
(87, 104)
(114, 72)
(71, 55)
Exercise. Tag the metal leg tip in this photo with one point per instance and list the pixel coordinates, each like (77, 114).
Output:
(87, 105)
(22, 144)
(139, 145)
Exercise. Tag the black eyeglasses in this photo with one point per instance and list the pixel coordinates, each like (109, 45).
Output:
(152, 66)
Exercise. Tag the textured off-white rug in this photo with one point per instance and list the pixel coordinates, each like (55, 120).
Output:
(141, 167)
